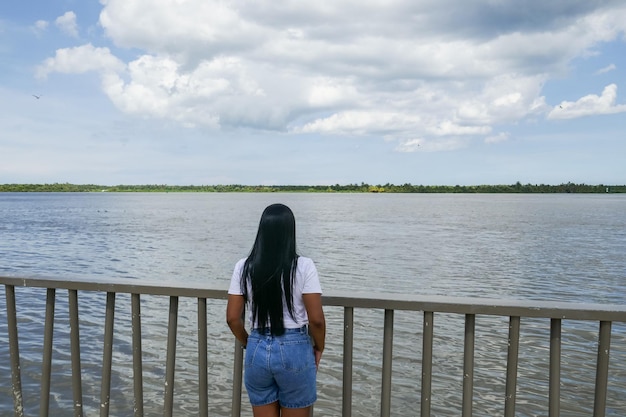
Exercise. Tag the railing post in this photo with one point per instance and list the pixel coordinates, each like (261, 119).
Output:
(203, 383)
(237, 379)
(602, 369)
(107, 355)
(385, 396)
(468, 365)
(348, 346)
(511, 367)
(237, 376)
(16, 377)
(554, 396)
(170, 365)
(137, 352)
(46, 361)
(77, 385)
(427, 363)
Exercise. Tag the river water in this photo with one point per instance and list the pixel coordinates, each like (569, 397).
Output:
(538, 247)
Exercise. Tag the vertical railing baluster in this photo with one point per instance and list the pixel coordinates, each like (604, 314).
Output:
(16, 374)
(237, 380)
(203, 382)
(468, 365)
(77, 386)
(554, 395)
(385, 397)
(170, 365)
(602, 369)
(107, 355)
(137, 359)
(427, 363)
(348, 346)
(511, 367)
(46, 362)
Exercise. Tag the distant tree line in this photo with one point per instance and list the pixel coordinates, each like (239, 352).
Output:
(349, 188)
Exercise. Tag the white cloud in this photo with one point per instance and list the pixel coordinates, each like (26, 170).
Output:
(447, 128)
(498, 138)
(79, 60)
(160, 88)
(399, 69)
(40, 26)
(421, 145)
(328, 92)
(411, 145)
(504, 98)
(67, 24)
(589, 105)
(362, 122)
(606, 69)
(194, 29)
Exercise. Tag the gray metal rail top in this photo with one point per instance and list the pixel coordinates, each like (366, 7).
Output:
(354, 299)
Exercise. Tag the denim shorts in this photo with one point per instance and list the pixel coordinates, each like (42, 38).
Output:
(280, 368)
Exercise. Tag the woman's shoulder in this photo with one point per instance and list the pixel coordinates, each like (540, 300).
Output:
(240, 263)
(304, 262)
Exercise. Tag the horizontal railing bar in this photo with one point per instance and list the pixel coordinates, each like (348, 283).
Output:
(385, 301)
(478, 306)
(121, 286)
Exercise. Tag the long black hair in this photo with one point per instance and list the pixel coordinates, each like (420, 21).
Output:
(271, 267)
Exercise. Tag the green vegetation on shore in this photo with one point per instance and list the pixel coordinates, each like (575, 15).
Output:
(350, 188)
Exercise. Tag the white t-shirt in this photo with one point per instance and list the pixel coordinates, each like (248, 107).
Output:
(306, 281)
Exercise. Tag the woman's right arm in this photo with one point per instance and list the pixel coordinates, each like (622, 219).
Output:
(234, 317)
(317, 322)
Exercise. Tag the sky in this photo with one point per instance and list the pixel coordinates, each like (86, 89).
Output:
(203, 92)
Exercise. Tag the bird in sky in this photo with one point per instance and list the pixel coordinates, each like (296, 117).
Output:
(37, 96)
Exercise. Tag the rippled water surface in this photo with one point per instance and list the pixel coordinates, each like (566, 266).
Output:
(539, 247)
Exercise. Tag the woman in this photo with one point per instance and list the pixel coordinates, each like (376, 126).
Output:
(283, 296)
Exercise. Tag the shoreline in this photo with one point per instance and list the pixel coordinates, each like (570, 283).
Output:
(516, 188)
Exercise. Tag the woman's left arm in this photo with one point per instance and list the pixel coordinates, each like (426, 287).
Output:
(234, 317)
(317, 323)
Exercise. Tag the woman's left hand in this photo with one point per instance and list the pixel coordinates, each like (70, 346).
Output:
(318, 357)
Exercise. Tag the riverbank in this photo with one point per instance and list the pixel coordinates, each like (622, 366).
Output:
(517, 188)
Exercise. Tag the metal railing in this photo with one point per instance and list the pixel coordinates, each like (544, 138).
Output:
(467, 308)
